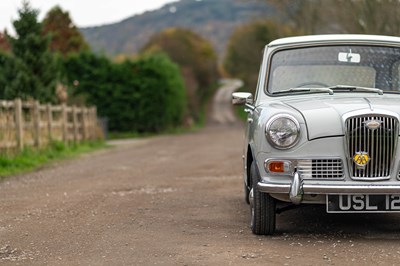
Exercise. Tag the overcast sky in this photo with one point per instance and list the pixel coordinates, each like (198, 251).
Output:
(83, 12)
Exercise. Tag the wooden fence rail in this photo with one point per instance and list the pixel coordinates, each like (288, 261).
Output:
(32, 124)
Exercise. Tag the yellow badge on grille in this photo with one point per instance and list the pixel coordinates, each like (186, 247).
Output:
(361, 159)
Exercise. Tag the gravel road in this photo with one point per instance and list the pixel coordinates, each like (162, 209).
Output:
(172, 200)
(222, 106)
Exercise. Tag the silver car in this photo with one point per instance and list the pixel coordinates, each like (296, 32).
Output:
(323, 127)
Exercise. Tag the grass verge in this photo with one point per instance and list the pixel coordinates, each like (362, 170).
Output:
(30, 159)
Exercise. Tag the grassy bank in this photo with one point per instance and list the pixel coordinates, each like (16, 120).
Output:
(30, 159)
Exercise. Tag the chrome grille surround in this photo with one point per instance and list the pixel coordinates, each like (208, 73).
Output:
(331, 168)
(380, 144)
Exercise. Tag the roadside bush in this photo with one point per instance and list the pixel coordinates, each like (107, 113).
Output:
(145, 95)
(158, 93)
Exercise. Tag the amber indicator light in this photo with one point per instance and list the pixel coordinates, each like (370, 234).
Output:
(276, 167)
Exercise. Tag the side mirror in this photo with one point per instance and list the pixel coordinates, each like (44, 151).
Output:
(242, 98)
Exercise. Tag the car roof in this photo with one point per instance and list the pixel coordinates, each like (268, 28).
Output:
(336, 38)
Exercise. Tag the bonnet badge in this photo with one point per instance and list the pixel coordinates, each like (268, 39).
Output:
(373, 124)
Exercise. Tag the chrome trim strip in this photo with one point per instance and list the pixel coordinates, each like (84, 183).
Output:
(330, 189)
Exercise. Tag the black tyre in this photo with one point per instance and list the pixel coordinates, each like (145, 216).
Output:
(246, 193)
(262, 206)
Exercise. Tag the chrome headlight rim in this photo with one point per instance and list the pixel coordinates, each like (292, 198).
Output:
(272, 120)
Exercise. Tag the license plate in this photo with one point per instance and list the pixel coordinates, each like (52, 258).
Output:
(362, 203)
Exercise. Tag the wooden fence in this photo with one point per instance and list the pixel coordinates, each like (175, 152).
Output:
(32, 124)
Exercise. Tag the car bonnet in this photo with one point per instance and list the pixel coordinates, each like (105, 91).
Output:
(325, 117)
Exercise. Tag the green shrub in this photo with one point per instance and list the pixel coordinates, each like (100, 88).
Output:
(145, 95)
(158, 94)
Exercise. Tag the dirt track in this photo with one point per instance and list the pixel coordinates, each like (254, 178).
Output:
(172, 200)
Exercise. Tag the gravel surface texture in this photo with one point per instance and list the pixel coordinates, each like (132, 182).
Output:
(172, 200)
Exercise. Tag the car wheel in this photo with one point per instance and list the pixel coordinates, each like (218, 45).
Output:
(262, 206)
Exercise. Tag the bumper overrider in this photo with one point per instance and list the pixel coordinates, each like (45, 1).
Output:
(299, 187)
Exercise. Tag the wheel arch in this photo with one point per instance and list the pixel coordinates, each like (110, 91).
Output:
(249, 159)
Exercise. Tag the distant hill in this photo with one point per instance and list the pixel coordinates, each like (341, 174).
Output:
(215, 20)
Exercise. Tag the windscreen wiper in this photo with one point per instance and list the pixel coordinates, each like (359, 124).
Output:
(322, 89)
(356, 88)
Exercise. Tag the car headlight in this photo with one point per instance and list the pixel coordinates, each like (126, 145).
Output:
(282, 131)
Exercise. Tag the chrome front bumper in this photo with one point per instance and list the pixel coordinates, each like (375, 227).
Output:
(299, 187)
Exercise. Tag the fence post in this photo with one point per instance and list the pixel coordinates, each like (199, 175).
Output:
(75, 123)
(64, 117)
(84, 112)
(19, 123)
(36, 123)
(49, 122)
(94, 122)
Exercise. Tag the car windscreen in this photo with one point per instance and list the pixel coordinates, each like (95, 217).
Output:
(329, 66)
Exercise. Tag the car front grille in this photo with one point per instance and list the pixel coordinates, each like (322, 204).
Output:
(377, 144)
(320, 169)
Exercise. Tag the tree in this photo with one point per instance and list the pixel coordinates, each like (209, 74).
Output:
(244, 52)
(36, 75)
(4, 43)
(196, 59)
(7, 74)
(367, 16)
(341, 16)
(65, 36)
(304, 15)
